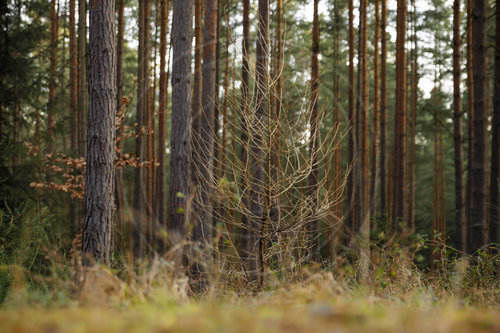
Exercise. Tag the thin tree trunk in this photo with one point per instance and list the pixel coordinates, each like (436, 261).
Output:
(351, 219)
(470, 122)
(53, 77)
(96, 239)
(375, 121)
(204, 177)
(363, 175)
(313, 186)
(457, 131)
(246, 232)
(478, 226)
(82, 79)
(254, 260)
(139, 184)
(413, 122)
(180, 156)
(119, 185)
(73, 78)
(383, 111)
(399, 186)
(160, 198)
(495, 140)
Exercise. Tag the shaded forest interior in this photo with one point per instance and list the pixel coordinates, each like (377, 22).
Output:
(242, 141)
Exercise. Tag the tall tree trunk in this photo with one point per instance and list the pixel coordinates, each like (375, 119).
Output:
(457, 131)
(478, 226)
(313, 187)
(180, 156)
(246, 232)
(495, 140)
(275, 129)
(141, 213)
(119, 185)
(351, 222)
(139, 186)
(470, 122)
(204, 176)
(383, 111)
(413, 121)
(162, 119)
(375, 121)
(196, 100)
(149, 122)
(99, 180)
(399, 186)
(256, 156)
(363, 170)
(53, 77)
(82, 78)
(73, 78)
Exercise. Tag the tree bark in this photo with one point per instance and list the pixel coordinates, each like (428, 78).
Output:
(351, 217)
(383, 111)
(180, 158)
(478, 226)
(53, 77)
(495, 140)
(204, 176)
(256, 156)
(375, 121)
(246, 232)
(82, 79)
(470, 122)
(160, 199)
(457, 131)
(119, 185)
(96, 239)
(413, 122)
(399, 186)
(313, 186)
(73, 78)
(363, 170)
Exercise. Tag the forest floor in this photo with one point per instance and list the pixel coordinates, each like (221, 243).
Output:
(319, 303)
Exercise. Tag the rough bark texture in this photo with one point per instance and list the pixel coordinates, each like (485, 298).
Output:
(313, 187)
(96, 239)
(457, 131)
(495, 140)
(180, 158)
(383, 111)
(478, 226)
(160, 199)
(399, 186)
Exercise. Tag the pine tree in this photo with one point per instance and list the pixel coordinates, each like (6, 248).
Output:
(180, 156)
(478, 232)
(457, 130)
(99, 180)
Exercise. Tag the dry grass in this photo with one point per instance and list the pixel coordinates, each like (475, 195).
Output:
(158, 300)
